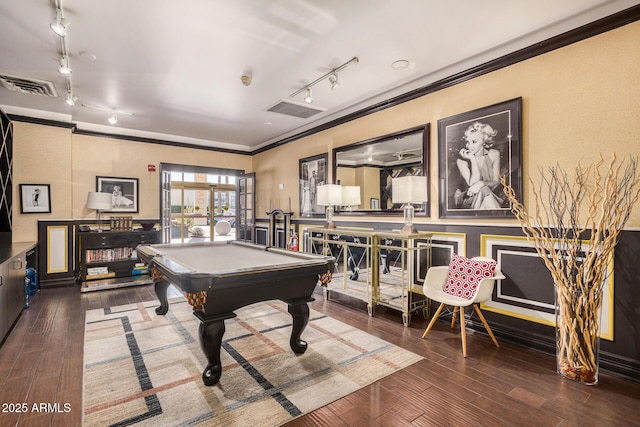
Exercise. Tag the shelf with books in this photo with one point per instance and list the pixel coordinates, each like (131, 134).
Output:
(110, 254)
(109, 259)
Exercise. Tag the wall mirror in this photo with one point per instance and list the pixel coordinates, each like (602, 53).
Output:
(372, 164)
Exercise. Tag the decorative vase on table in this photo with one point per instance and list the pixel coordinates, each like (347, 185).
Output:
(578, 335)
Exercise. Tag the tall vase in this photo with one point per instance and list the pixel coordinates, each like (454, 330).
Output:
(578, 334)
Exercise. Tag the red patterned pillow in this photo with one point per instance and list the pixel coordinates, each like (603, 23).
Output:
(465, 274)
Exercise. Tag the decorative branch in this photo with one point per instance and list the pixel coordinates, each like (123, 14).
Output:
(575, 227)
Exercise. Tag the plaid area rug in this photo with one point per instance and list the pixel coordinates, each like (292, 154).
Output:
(144, 369)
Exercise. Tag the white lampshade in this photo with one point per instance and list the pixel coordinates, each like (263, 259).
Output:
(99, 201)
(351, 195)
(409, 189)
(330, 195)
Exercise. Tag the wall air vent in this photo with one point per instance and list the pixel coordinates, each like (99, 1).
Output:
(26, 85)
(295, 109)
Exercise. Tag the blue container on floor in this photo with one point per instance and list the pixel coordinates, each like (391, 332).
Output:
(30, 285)
(32, 275)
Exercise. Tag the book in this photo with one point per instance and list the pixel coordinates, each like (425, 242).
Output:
(97, 270)
(101, 276)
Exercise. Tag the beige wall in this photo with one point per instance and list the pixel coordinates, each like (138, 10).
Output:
(71, 162)
(578, 102)
(41, 155)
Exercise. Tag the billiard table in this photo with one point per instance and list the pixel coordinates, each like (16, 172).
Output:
(220, 277)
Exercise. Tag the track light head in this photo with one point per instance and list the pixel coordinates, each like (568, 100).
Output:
(309, 98)
(64, 69)
(60, 26)
(333, 80)
(71, 100)
(113, 118)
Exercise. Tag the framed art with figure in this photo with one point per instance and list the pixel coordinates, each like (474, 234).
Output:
(124, 192)
(475, 149)
(313, 172)
(35, 198)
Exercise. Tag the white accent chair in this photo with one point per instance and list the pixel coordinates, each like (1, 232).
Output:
(433, 289)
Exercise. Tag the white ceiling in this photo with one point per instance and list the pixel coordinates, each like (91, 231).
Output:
(176, 66)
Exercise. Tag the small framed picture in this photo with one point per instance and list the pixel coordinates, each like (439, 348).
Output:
(35, 198)
(313, 172)
(124, 192)
(374, 203)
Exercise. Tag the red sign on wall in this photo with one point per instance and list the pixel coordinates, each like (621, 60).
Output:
(151, 168)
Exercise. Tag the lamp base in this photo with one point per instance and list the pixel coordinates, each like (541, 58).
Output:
(330, 224)
(408, 229)
(99, 221)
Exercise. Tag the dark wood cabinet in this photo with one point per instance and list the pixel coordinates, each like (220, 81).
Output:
(109, 259)
(13, 263)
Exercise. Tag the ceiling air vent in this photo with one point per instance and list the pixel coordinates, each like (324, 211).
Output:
(30, 86)
(295, 109)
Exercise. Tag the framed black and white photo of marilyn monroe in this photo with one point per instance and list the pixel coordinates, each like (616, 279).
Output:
(475, 149)
(124, 192)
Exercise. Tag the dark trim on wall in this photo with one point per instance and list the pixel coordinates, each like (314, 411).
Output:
(74, 129)
(592, 29)
(160, 142)
(45, 122)
(174, 167)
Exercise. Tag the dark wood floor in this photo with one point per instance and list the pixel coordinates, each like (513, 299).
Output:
(41, 362)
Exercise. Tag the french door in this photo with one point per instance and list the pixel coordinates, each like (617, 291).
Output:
(245, 208)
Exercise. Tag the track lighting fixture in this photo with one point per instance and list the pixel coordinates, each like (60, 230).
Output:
(71, 100)
(333, 79)
(309, 98)
(113, 113)
(64, 69)
(60, 26)
(331, 75)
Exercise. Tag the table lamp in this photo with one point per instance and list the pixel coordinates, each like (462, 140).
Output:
(409, 190)
(330, 195)
(351, 196)
(99, 202)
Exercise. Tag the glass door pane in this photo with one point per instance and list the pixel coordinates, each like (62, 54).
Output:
(244, 211)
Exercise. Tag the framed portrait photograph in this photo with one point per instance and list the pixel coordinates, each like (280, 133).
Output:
(313, 172)
(35, 198)
(124, 192)
(475, 149)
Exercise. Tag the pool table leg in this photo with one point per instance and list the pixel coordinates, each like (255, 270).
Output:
(211, 333)
(300, 315)
(161, 287)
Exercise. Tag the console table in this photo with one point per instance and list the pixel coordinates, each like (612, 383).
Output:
(379, 267)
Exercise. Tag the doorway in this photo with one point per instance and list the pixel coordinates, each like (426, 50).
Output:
(198, 204)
